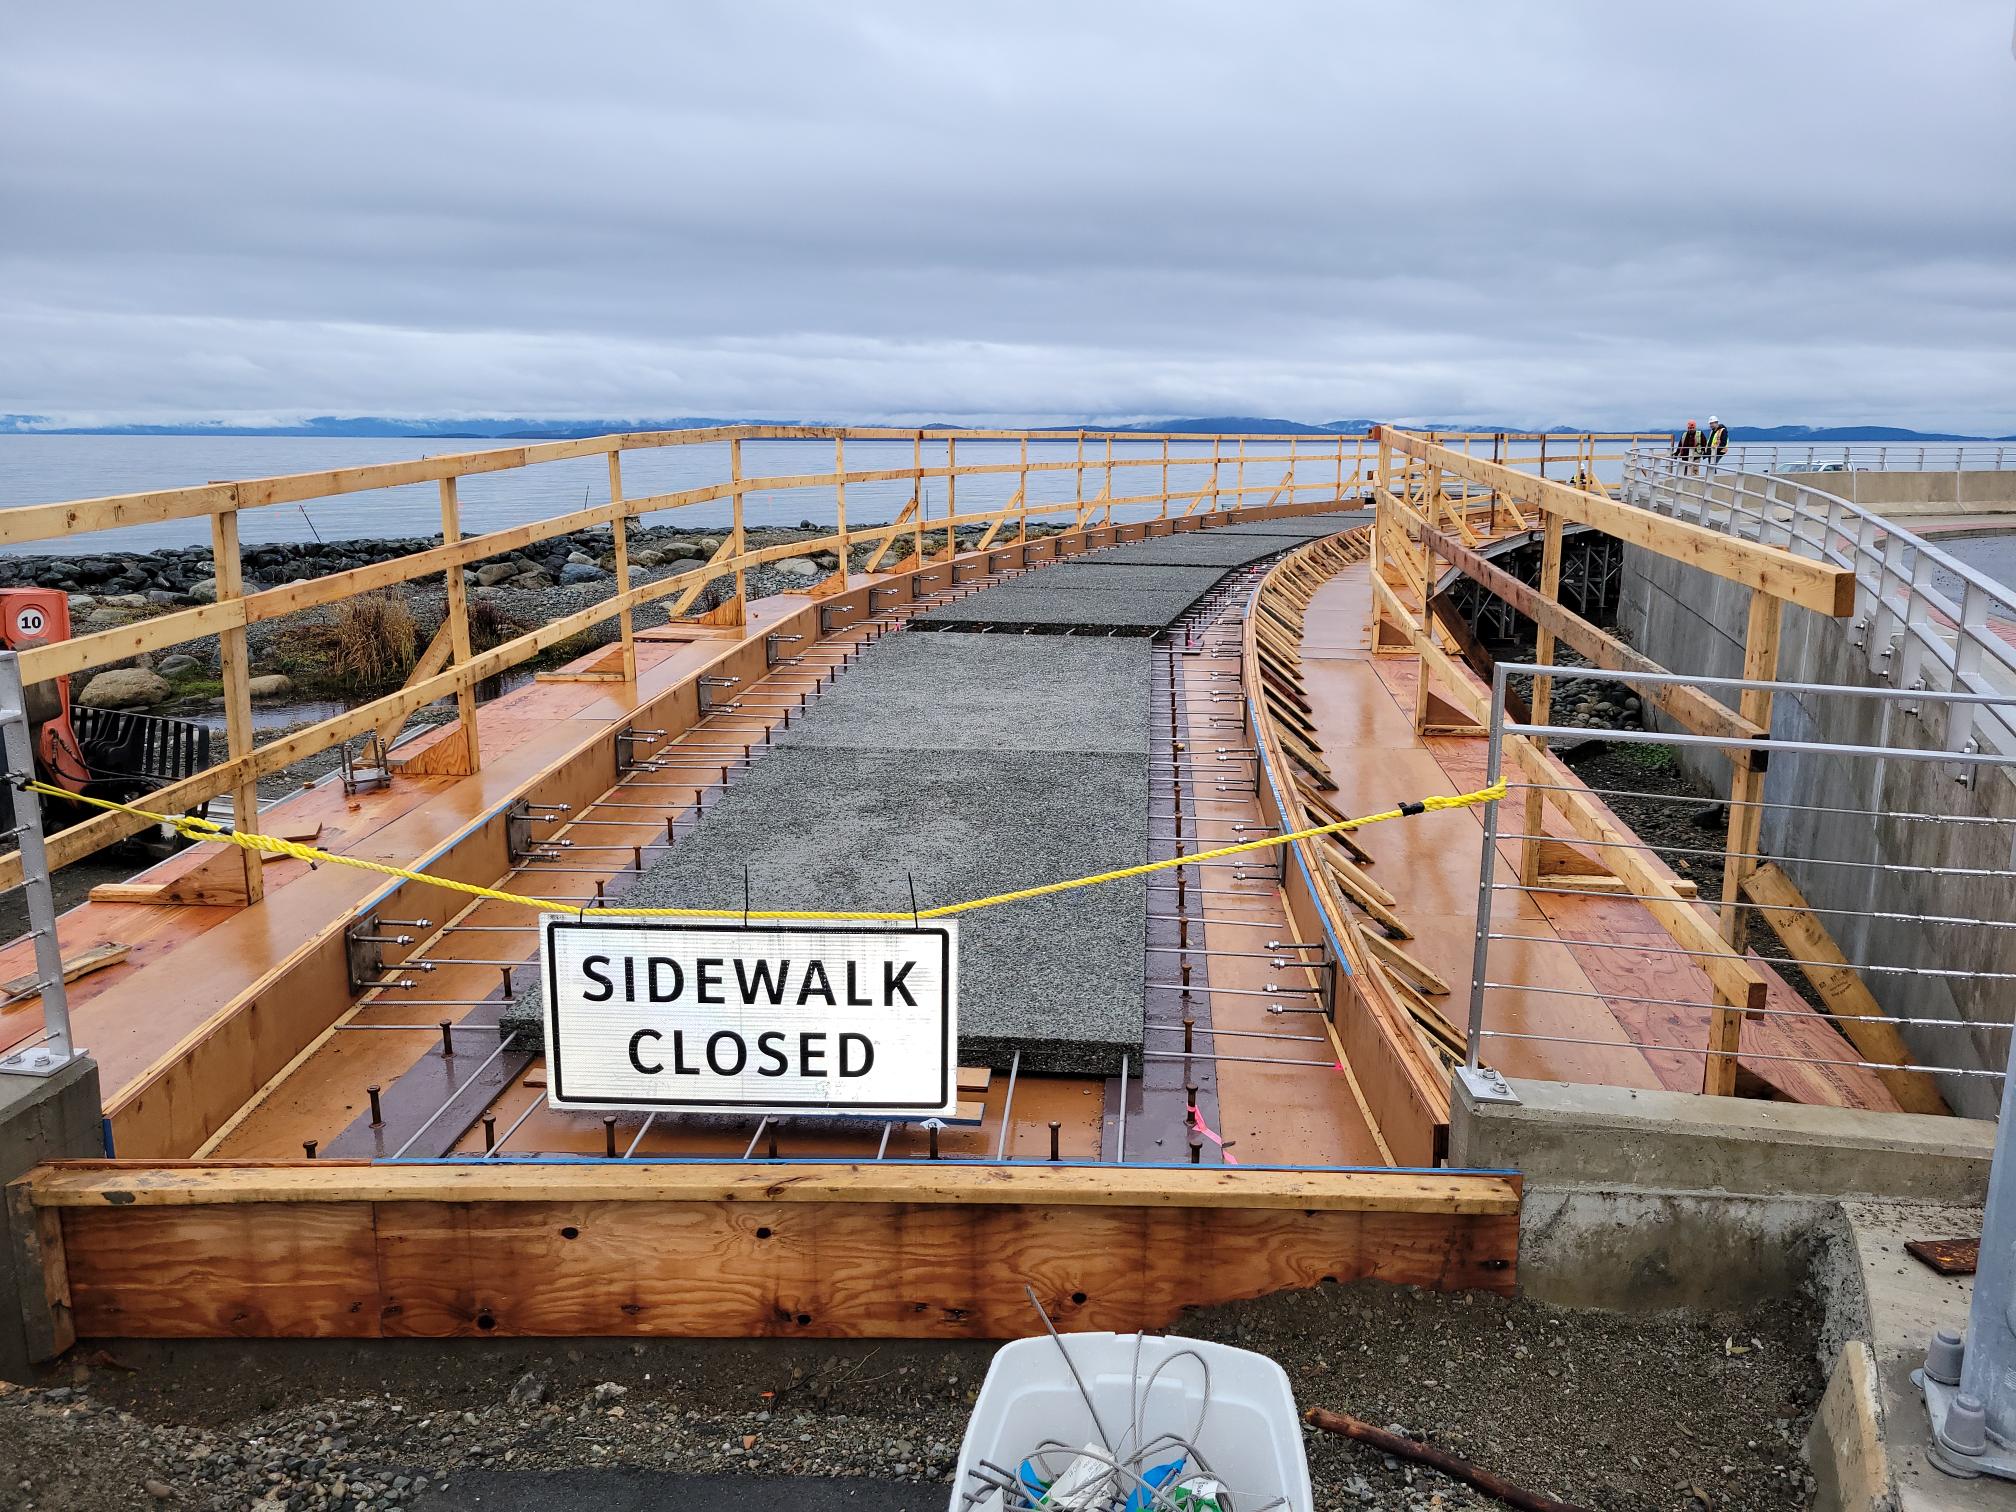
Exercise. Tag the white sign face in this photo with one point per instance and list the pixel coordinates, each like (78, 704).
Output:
(776, 1017)
(30, 620)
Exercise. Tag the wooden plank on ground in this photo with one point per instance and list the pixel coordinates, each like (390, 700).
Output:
(97, 958)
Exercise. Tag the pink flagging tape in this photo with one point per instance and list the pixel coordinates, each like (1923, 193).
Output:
(1197, 1122)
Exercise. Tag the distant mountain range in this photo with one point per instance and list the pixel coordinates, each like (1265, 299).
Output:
(525, 428)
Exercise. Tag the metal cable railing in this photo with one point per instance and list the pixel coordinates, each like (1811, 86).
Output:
(1924, 619)
(1881, 456)
(1906, 960)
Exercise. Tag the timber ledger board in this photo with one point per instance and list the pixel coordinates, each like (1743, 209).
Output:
(942, 1265)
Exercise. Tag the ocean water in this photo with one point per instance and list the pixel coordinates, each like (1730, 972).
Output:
(55, 469)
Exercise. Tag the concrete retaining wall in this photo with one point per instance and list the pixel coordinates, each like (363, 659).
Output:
(1965, 491)
(41, 1118)
(1692, 621)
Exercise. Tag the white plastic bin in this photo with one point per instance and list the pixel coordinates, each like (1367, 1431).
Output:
(1251, 1434)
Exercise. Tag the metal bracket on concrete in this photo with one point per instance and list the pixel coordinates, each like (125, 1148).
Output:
(366, 773)
(828, 613)
(518, 840)
(770, 656)
(627, 759)
(1969, 1380)
(1960, 1444)
(1486, 1085)
(364, 950)
(706, 687)
(56, 1050)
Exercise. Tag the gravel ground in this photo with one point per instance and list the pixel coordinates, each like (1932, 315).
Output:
(1677, 1412)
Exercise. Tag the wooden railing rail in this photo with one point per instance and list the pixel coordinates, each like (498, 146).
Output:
(1184, 482)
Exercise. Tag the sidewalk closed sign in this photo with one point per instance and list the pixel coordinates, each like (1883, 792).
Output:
(776, 1017)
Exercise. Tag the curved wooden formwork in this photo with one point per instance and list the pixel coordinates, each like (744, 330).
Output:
(1396, 1048)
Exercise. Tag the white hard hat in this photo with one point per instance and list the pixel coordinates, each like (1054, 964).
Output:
(1714, 420)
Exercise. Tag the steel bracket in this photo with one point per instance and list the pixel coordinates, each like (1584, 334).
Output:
(1486, 1085)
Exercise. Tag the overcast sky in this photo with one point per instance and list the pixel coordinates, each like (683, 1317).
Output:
(1595, 213)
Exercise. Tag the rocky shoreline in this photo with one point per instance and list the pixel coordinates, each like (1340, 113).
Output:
(512, 593)
(176, 577)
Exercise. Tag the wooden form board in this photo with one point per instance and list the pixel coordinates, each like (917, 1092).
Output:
(1405, 1089)
(865, 1251)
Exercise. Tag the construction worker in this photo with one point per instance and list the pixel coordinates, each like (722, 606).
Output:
(1688, 447)
(1717, 440)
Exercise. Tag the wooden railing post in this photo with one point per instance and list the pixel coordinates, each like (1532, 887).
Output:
(840, 501)
(1375, 566)
(1078, 473)
(619, 528)
(951, 496)
(1340, 468)
(917, 520)
(1217, 446)
(1109, 482)
(235, 658)
(1746, 794)
(1239, 493)
(740, 611)
(1022, 533)
(456, 595)
(1165, 480)
(1543, 692)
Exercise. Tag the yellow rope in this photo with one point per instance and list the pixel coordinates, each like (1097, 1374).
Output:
(205, 829)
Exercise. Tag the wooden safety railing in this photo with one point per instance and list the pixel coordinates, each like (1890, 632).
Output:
(1175, 482)
(1435, 505)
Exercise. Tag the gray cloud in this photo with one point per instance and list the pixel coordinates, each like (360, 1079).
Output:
(1588, 212)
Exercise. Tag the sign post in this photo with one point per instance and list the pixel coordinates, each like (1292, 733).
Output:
(778, 1017)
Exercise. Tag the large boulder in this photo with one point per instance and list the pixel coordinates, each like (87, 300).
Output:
(124, 688)
(178, 665)
(797, 567)
(493, 573)
(204, 590)
(272, 685)
(535, 579)
(582, 572)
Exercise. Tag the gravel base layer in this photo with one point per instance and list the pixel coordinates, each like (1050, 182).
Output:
(1645, 1412)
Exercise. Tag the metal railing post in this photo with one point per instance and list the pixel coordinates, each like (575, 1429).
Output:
(1970, 1383)
(1482, 1083)
(57, 1050)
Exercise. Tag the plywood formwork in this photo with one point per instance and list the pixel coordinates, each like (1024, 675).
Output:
(242, 1054)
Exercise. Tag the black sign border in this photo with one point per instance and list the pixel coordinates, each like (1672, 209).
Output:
(946, 1057)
